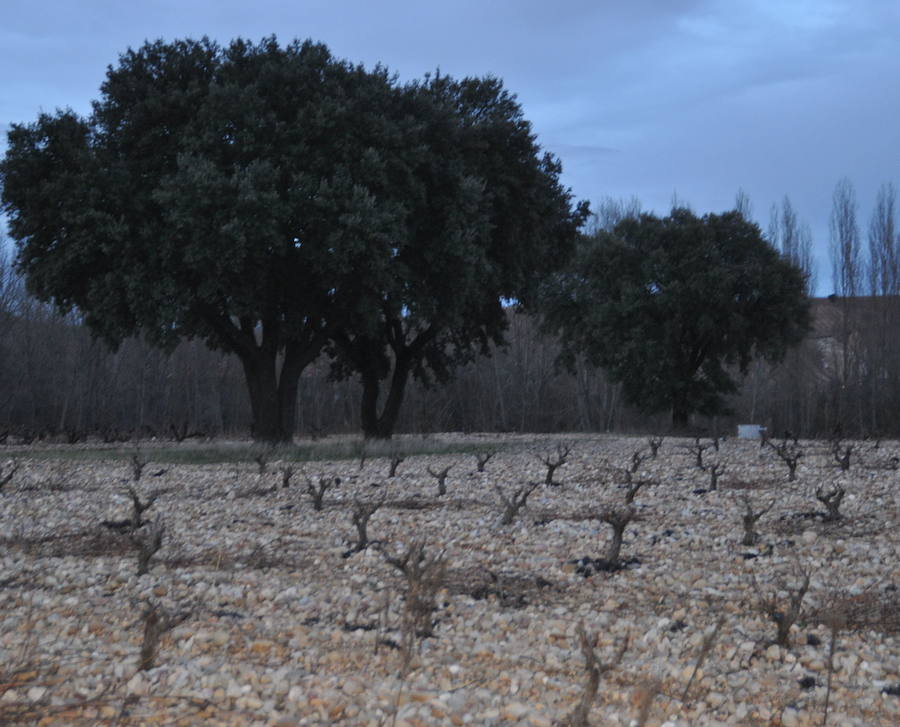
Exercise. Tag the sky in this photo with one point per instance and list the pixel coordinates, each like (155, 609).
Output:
(650, 99)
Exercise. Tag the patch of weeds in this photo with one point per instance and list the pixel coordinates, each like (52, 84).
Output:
(337, 449)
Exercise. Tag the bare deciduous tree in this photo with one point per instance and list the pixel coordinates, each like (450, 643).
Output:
(880, 340)
(794, 239)
(847, 277)
(845, 249)
(884, 256)
(610, 211)
(743, 204)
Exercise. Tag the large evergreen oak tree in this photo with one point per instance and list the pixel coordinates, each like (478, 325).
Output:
(666, 306)
(278, 202)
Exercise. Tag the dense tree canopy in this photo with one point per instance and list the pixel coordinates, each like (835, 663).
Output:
(668, 305)
(487, 220)
(277, 201)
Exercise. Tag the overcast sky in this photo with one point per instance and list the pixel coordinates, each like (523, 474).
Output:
(648, 98)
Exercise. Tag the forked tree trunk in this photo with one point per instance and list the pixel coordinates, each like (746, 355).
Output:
(273, 394)
(381, 426)
(366, 356)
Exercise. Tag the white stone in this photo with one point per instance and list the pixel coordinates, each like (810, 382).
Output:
(514, 711)
(137, 685)
(35, 694)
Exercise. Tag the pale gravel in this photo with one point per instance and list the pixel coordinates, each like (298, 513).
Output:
(271, 604)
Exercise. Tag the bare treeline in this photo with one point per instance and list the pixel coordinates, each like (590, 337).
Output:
(60, 383)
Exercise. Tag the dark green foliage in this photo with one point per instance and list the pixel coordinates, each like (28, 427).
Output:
(225, 193)
(487, 219)
(666, 306)
(269, 200)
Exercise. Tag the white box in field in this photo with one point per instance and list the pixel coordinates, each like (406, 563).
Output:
(750, 431)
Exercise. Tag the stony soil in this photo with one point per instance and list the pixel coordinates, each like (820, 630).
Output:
(265, 618)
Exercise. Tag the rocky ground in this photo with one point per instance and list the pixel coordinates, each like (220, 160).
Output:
(255, 612)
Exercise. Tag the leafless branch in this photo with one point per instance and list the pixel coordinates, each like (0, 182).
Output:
(147, 545)
(705, 649)
(362, 511)
(441, 477)
(286, 474)
(832, 501)
(318, 492)
(138, 462)
(553, 463)
(697, 449)
(594, 670)
(425, 576)
(6, 477)
(618, 518)
(156, 623)
(138, 507)
(512, 505)
(715, 471)
(483, 458)
(749, 520)
(788, 453)
(784, 616)
(396, 459)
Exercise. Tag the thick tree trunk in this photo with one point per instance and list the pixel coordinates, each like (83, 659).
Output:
(367, 356)
(680, 417)
(381, 426)
(265, 403)
(296, 358)
(369, 404)
(273, 397)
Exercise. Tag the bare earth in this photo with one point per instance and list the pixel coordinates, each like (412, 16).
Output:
(263, 621)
